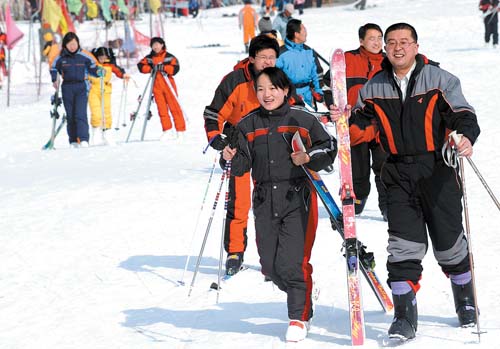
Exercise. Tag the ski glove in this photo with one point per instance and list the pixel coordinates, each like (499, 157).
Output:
(318, 97)
(219, 142)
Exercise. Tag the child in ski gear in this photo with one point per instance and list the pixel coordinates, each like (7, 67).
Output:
(490, 16)
(101, 93)
(361, 65)
(166, 66)
(50, 49)
(247, 20)
(281, 20)
(3, 67)
(74, 65)
(413, 103)
(284, 202)
(299, 63)
(234, 98)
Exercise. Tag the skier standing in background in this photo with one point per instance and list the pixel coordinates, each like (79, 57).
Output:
(103, 134)
(166, 66)
(490, 16)
(247, 20)
(74, 65)
(413, 102)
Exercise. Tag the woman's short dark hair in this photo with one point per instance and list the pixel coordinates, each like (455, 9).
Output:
(68, 37)
(364, 28)
(401, 26)
(277, 76)
(292, 27)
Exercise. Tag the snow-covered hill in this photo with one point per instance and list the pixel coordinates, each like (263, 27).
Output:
(94, 241)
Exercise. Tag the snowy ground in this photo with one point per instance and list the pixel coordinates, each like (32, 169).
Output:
(93, 241)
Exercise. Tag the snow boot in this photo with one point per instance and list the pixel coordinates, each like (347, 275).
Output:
(233, 263)
(359, 205)
(463, 296)
(97, 137)
(404, 324)
(297, 330)
(84, 144)
(168, 135)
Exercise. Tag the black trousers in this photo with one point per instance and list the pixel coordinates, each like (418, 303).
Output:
(491, 29)
(286, 217)
(362, 155)
(424, 201)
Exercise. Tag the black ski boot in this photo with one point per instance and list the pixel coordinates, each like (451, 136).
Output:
(463, 296)
(233, 263)
(404, 324)
(359, 205)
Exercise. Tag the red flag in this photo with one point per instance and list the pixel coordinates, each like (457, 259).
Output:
(12, 31)
(139, 38)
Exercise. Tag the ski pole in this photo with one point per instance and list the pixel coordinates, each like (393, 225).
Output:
(146, 115)
(176, 99)
(181, 281)
(456, 139)
(210, 220)
(121, 110)
(486, 186)
(134, 114)
(226, 200)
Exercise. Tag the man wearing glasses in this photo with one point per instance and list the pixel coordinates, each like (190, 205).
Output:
(234, 98)
(413, 103)
(361, 65)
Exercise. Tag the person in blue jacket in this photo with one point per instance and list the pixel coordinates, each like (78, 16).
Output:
(74, 66)
(298, 61)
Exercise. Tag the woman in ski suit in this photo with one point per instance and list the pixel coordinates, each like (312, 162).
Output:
(74, 65)
(166, 66)
(284, 204)
(101, 131)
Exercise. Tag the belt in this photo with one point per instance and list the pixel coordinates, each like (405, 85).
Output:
(413, 159)
(302, 84)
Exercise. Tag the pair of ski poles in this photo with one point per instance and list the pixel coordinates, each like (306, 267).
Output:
(151, 80)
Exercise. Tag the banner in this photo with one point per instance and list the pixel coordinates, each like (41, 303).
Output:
(12, 31)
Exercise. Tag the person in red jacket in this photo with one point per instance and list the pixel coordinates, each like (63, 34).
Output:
(361, 65)
(164, 88)
(490, 15)
(3, 68)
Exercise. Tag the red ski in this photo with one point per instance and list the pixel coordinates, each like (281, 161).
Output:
(347, 196)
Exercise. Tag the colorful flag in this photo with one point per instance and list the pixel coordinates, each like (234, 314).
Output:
(154, 5)
(55, 13)
(12, 31)
(106, 13)
(123, 7)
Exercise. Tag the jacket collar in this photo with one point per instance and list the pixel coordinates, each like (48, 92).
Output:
(276, 113)
(293, 45)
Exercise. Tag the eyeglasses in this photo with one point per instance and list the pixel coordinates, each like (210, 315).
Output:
(391, 44)
(266, 58)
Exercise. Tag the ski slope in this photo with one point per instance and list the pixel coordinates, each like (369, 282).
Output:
(93, 242)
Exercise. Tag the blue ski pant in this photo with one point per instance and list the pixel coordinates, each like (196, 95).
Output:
(75, 99)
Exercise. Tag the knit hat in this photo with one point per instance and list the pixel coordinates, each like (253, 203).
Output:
(265, 24)
(158, 40)
(48, 36)
(289, 8)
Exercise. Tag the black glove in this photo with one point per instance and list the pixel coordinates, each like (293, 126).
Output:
(159, 67)
(219, 142)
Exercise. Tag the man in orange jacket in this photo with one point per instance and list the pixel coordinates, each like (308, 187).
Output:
(164, 88)
(234, 98)
(361, 65)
